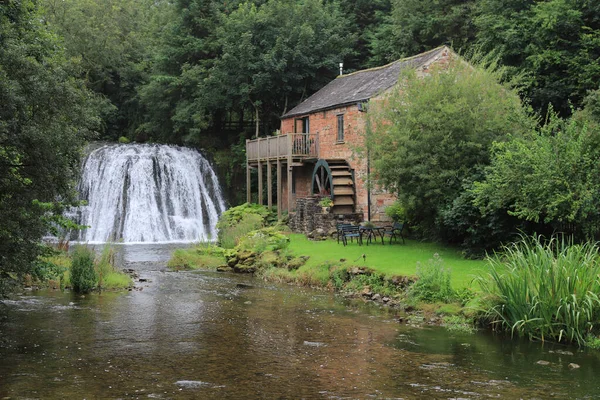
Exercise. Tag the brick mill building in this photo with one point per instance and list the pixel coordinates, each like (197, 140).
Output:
(321, 150)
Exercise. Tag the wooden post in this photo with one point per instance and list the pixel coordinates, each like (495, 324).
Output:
(279, 202)
(269, 185)
(260, 184)
(289, 173)
(248, 180)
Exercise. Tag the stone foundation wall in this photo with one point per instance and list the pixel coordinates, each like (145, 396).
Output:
(310, 219)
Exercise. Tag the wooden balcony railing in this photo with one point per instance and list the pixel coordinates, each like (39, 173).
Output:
(294, 145)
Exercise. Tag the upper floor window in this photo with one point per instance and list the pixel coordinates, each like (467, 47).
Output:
(340, 128)
(302, 125)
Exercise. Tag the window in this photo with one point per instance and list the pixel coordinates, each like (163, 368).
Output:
(340, 128)
(302, 125)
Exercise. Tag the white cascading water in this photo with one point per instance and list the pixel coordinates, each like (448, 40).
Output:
(148, 193)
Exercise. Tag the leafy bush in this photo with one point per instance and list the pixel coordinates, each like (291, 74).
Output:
(266, 239)
(238, 221)
(396, 212)
(593, 342)
(326, 202)
(123, 140)
(235, 214)
(433, 135)
(433, 283)
(548, 176)
(83, 274)
(51, 266)
(544, 290)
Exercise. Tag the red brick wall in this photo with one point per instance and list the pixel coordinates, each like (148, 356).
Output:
(352, 149)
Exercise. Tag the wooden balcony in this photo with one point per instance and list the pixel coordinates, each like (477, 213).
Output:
(291, 147)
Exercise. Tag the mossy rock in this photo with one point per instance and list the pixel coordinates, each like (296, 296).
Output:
(249, 261)
(297, 262)
(245, 269)
(232, 261)
(224, 268)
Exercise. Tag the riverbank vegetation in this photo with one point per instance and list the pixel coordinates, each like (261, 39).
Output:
(81, 270)
(543, 289)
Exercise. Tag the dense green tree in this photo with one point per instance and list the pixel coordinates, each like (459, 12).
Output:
(364, 18)
(415, 26)
(550, 176)
(45, 114)
(112, 40)
(432, 137)
(555, 42)
(276, 54)
(187, 48)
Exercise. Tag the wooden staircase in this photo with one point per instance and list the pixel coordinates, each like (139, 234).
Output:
(343, 187)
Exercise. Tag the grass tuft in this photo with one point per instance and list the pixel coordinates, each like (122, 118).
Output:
(544, 290)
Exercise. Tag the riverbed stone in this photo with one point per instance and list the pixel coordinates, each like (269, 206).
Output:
(224, 268)
(543, 362)
(376, 297)
(574, 366)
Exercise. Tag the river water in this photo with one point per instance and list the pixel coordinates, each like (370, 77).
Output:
(204, 335)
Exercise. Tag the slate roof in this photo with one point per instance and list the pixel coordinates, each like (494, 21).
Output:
(361, 85)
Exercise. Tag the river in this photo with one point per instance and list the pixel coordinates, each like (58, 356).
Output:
(205, 335)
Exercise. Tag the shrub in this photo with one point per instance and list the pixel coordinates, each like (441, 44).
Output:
(433, 283)
(235, 214)
(593, 342)
(266, 239)
(238, 221)
(544, 290)
(326, 202)
(83, 274)
(395, 212)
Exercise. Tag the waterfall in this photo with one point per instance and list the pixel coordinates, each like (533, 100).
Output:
(148, 193)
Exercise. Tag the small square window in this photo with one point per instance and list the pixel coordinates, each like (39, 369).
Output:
(340, 128)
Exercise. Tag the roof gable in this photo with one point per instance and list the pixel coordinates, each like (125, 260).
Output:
(362, 85)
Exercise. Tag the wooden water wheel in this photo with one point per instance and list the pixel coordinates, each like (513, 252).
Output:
(335, 178)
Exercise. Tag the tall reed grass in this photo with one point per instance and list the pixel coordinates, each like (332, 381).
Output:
(544, 290)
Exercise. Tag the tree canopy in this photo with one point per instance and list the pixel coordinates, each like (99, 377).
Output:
(432, 137)
(45, 116)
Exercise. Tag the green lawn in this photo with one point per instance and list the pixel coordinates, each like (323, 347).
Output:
(395, 259)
